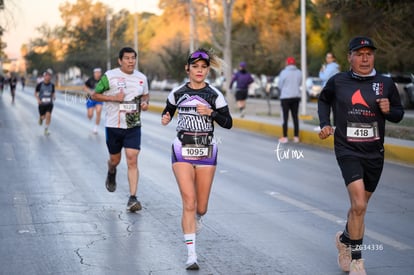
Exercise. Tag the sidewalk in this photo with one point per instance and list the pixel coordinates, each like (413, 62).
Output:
(258, 120)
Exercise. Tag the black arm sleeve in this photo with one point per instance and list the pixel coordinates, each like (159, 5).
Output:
(37, 89)
(170, 108)
(396, 113)
(325, 103)
(222, 117)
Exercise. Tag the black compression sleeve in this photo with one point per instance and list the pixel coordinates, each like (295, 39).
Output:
(170, 108)
(222, 117)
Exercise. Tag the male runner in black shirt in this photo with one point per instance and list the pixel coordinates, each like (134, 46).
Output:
(362, 101)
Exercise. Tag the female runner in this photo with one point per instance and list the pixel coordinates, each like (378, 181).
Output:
(194, 152)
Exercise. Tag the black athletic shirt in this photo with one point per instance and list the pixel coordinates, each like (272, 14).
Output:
(46, 91)
(353, 100)
(91, 83)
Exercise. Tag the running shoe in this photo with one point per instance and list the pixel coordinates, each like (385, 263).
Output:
(191, 263)
(296, 139)
(242, 113)
(283, 140)
(133, 204)
(40, 121)
(357, 267)
(199, 223)
(46, 132)
(110, 181)
(344, 253)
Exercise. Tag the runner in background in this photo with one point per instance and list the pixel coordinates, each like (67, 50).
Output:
(93, 105)
(45, 95)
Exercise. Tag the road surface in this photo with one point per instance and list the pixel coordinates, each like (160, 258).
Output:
(274, 209)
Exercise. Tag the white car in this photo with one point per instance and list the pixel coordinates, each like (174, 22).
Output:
(313, 87)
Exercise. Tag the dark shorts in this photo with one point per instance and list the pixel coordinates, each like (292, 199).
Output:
(45, 108)
(117, 138)
(92, 103)
(369, 170)
(177, 155)
(241, 94)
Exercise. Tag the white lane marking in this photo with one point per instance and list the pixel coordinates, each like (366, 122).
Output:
(8, 151)
(23, 214)
(325, 215)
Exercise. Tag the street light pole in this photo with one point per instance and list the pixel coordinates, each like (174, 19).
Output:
(1, 48)
(136, 37)
(303, 54)
(191, 12)
(108, 41)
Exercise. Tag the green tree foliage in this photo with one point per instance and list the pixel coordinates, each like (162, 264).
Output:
(85, 26)
(388, 22)
(46, 51)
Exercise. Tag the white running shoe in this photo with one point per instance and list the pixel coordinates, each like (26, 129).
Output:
(191, 263)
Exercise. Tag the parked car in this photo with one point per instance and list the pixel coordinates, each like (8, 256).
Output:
(256, 88)
(409, 88)
(313, 87)
(273, 88)
(405, 86)
(163, 85)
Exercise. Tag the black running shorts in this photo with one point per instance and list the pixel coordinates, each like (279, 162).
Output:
(241, 95)
(117, 138)
(369, 170)
(45, 108)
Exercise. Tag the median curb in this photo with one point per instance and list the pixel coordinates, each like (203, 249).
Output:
(393, 152)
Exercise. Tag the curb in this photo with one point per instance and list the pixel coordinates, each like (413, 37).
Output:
(393, 152)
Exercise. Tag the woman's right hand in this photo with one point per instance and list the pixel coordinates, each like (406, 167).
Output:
(166, 118)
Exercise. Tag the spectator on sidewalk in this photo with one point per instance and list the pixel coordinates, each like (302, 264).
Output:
(329, 69)
(290, 80)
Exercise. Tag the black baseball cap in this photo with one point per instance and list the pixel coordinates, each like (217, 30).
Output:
(359, 42)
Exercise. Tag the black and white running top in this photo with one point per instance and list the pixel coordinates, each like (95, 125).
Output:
(185, 100)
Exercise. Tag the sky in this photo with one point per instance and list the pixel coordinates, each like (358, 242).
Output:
(26, 15)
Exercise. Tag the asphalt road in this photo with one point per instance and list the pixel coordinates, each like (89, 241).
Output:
(273, 210)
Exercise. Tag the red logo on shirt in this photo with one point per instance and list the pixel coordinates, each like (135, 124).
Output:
(358, 99)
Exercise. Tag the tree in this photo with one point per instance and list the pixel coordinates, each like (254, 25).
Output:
(388, 22)
(47, 51)
(85, 28)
